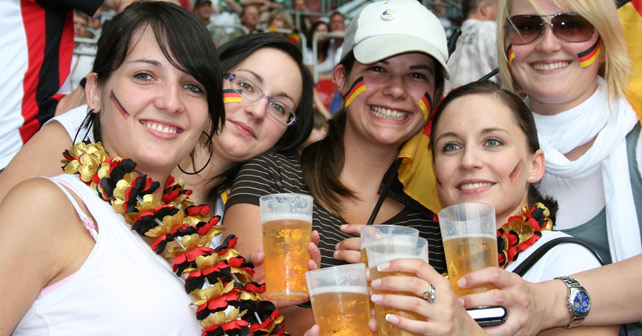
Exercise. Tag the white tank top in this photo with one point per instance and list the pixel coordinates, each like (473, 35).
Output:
(122, 288)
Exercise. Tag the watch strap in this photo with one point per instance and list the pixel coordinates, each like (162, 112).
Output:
(574, 287)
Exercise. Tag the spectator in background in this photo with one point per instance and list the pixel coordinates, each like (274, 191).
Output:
(337, 26)
(95, 24)
(439, 8)
(475, 55)
(305, 24)
(280, 22)
(279, 19)
(203, 9)
(35, 63)
(325, 54)
(250, 17)
(83, 58)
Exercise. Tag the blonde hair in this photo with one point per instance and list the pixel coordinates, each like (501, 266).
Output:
(604, 17)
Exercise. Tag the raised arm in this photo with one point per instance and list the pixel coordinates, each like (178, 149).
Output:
(538, 306)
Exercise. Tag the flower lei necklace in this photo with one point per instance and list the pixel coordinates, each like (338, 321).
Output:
(521, 232)
(220, 279)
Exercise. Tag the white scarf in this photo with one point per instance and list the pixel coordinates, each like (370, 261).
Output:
(562, 132)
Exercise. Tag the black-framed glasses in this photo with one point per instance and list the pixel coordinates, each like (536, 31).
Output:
(252, 92)
(570, 27)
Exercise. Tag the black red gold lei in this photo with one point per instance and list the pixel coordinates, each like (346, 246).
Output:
(521, 232)
(228, 302)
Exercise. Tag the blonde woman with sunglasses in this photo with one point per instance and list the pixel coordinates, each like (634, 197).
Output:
(569, 59)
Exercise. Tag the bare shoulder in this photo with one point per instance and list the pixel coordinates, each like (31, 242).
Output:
(36, 202)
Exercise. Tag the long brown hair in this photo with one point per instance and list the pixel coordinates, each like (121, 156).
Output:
(323, 161)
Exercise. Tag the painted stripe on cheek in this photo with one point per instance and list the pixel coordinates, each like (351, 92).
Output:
(510, 55)
(589, 56)
(424, 103)
(513, 174)
(118, 105)
(356, 89)
(231, 96)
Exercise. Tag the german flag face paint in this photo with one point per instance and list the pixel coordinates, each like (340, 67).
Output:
(118, 105)
(231, 96)
(424, 103)
(356, 89)
(589, 56)
(515, 171)
(510, 55)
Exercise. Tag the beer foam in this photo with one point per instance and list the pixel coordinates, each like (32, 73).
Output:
(383, 257)
(337, 289)
(268, 217)
(473, 235)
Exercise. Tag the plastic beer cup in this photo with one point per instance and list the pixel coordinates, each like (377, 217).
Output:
(339, 297)
(373, 232)
(286, 220)
(386, 249)
(469, 234)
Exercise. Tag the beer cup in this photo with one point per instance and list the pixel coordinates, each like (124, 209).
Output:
(469, 234)
(386, 249)
(287, 224)
(373, 232)
(339, 297)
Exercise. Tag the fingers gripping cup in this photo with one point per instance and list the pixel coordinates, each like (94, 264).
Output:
(386, 249)
(469, 234)
(339, 297)
(287, 224)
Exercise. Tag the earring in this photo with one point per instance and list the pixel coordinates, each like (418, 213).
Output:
(530, 178)
(209, 138)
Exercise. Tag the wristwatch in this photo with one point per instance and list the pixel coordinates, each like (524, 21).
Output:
(578, 301)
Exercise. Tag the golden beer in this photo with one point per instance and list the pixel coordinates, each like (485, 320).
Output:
(341, 310)
(364, 257)
(285, 243)
(385, 328)
(468, 254)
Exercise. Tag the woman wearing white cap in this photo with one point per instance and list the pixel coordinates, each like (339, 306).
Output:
(392, 68)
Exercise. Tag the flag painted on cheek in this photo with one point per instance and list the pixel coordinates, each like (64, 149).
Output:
(425, 103)
(118, 105)
(515, 171)
(356, 89)
(589, 56)
(510, 55)
(231, 96)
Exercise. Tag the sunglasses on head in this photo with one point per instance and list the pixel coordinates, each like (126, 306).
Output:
(570, 27)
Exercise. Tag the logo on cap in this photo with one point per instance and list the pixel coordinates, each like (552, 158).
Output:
(388, 14)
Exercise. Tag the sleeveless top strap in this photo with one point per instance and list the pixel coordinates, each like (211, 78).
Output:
(87, 220)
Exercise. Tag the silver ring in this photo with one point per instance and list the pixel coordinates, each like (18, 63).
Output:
(429, 295)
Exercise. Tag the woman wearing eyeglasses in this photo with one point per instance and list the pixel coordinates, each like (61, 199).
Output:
(570, 60)
(389, 74)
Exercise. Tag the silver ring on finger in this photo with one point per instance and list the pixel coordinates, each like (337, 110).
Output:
(429, 295)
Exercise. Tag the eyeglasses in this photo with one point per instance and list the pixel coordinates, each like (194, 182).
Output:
(570, 27)
(252, 92)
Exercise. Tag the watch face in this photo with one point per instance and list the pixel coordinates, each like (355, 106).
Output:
(581, 303)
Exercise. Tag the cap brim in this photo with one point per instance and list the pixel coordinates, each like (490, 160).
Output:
(377, 48)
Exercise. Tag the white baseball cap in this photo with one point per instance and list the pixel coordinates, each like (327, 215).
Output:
(386, 28)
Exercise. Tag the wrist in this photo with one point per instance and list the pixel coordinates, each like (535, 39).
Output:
(578, 302)
(554, 308)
